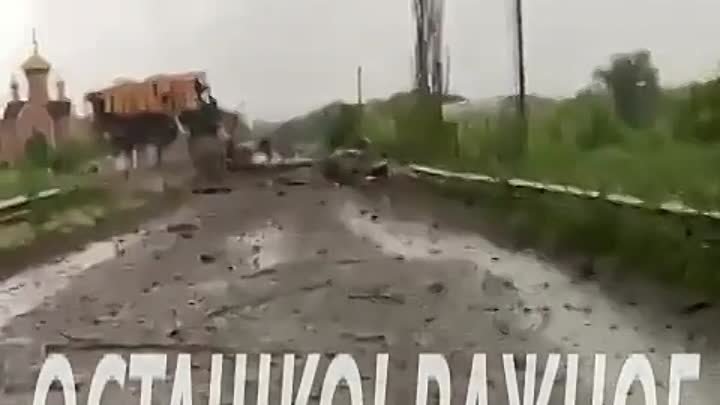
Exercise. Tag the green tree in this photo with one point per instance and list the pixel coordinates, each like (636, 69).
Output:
(344, 126)
(634, 85)
(697, 116)
(37, 150)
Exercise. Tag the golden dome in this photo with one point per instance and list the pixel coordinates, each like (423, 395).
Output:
(36, 62)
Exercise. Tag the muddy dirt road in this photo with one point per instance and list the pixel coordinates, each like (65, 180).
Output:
(304, 266)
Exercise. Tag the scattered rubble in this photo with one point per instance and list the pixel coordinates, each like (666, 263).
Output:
(365, 337)
(695, 308)
(259, 273)
(212, 190)
(436, 287)
(315, 286)
(207, 258)
(292, 181)
(182, 228)
(394, 298)
(350, 261)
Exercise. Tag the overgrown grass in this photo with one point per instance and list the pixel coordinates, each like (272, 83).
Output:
(55, 168)
(575, 144)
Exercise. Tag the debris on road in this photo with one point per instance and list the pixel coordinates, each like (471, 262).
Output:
(436, 288)
(350, 261)
(292, 182)
(501, 326)
(212, 190)
(89, 338)
(695, 308)
(574, 308)
(365, 337)
(315, 286)
(587, 270)
(182, 227)
(259, 273)
(393, 298)
(207, 258)
(380, 170)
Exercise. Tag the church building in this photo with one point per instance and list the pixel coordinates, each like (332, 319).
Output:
(35, 117)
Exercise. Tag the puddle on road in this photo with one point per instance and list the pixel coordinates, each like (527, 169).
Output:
(608, 327)
(29, 288)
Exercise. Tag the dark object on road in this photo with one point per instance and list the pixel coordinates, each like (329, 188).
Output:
(179, 228)
(364, 337)
(350, 261)
(315, 286)
(587, 270)
(207, 259)
(207, 152)
(173, 333)
(353, 166)
(259, 273)
(265, 147)
(212, 190)
(695, 308)
(380, 170)
(280, 193)
(393, 298)
(93, 168)
(436, 287)
(292, 182)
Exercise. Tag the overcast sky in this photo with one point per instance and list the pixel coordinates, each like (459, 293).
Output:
(283, 57)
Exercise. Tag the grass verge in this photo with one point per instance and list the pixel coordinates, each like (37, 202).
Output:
(680, 251)
(114, 217)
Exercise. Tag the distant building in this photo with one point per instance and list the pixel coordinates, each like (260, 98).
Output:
(36, 117)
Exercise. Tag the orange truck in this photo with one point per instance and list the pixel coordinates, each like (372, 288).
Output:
(168, 94)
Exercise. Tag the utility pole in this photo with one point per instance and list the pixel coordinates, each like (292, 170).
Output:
(447, 71)
(521, 99)
(359, 85)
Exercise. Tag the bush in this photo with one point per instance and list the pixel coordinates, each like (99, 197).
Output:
(73, 155)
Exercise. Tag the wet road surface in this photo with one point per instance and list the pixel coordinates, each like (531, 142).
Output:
(307, 267)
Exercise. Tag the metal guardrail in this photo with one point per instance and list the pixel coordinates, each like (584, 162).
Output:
(21, 200)
(670, 207)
